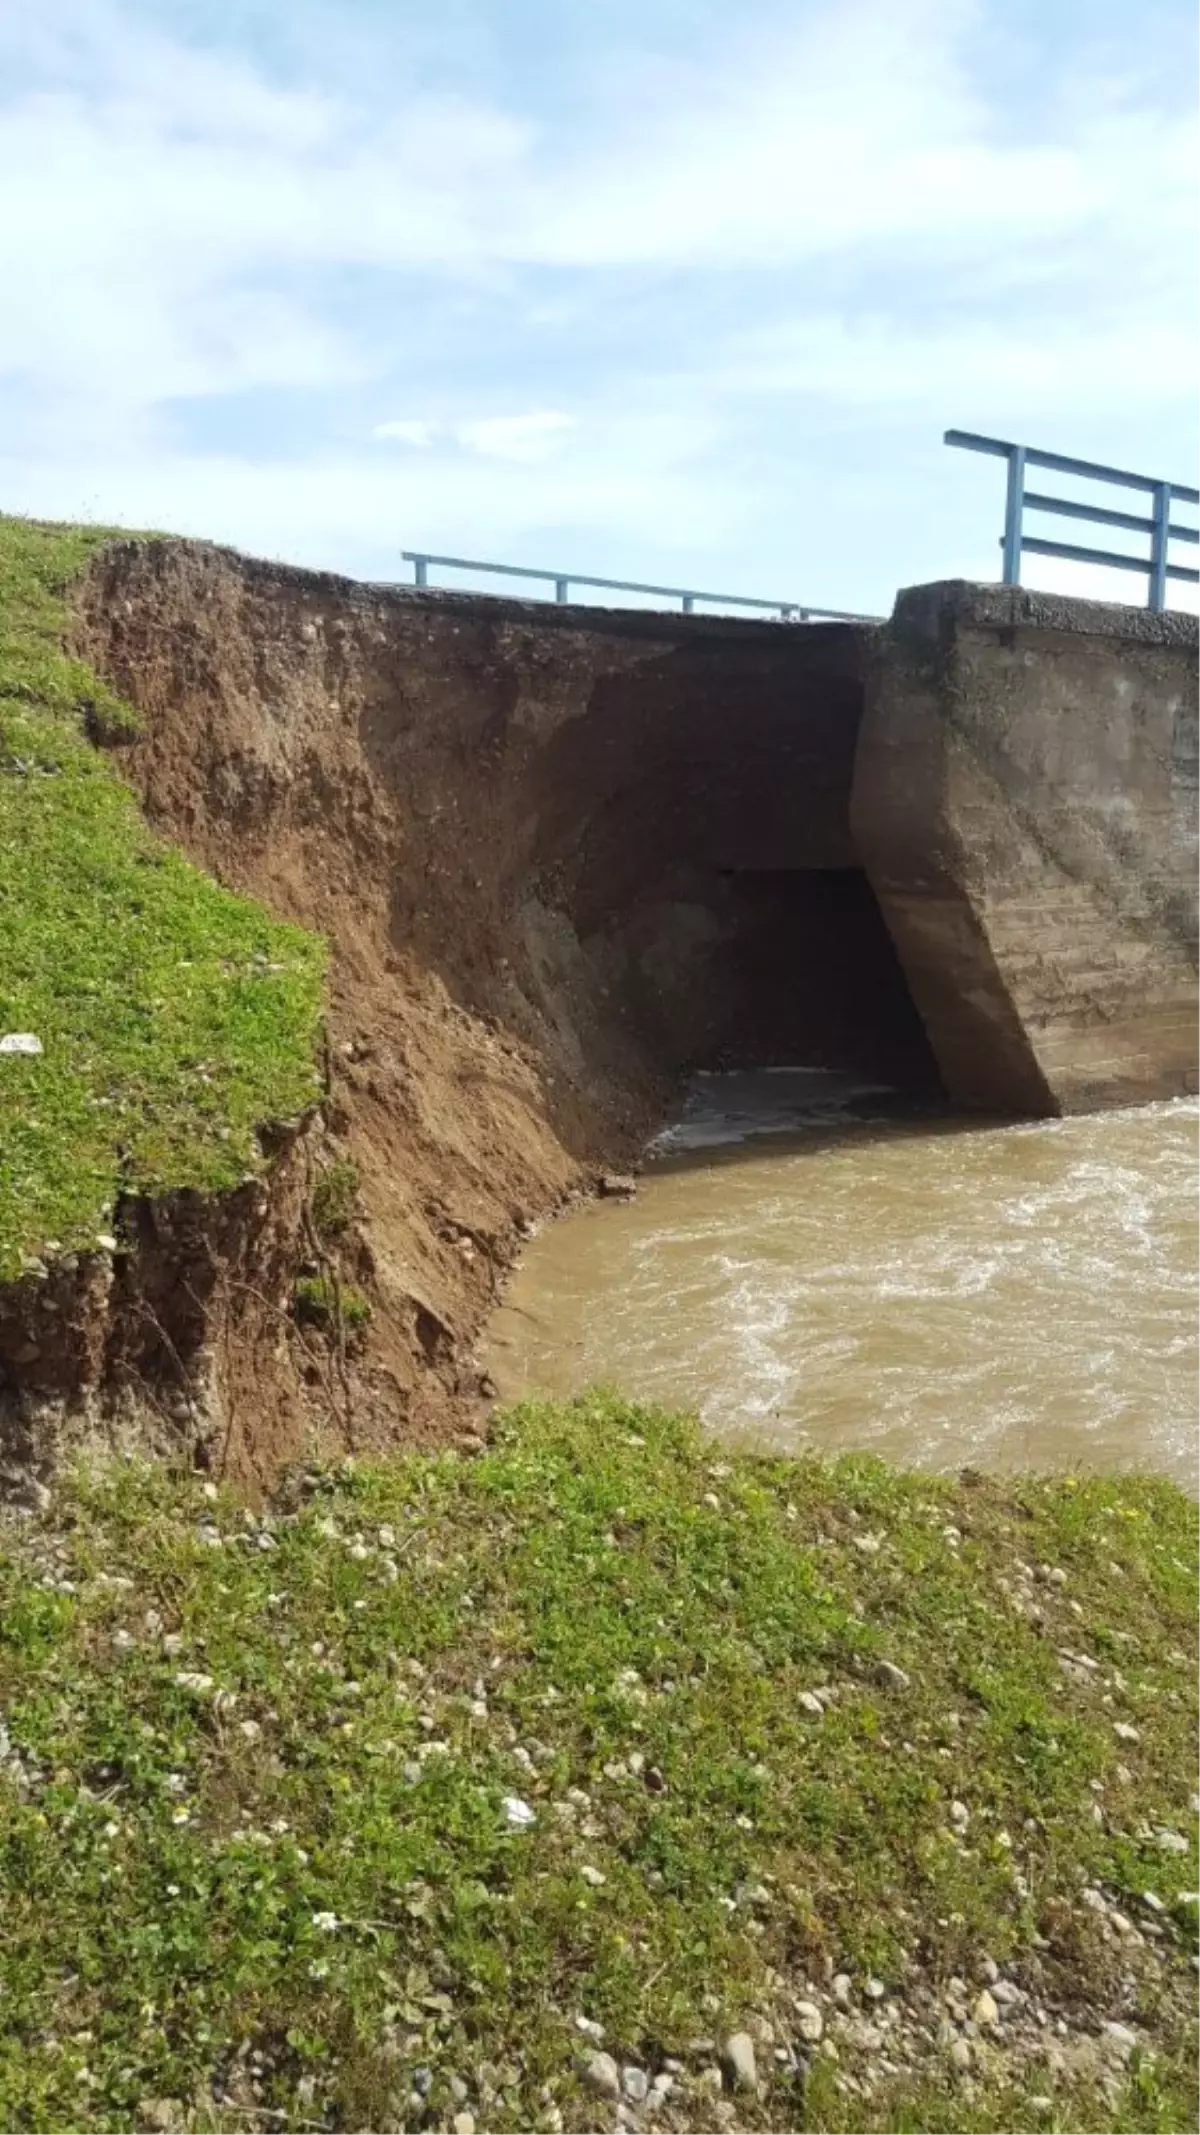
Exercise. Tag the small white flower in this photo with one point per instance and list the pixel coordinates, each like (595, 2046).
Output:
(181, 1816)
(327, 1923)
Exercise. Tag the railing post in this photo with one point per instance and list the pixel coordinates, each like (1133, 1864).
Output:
(1013, 512)
(689, 605)
(1158, 544)
(420, 570)
(560, 588)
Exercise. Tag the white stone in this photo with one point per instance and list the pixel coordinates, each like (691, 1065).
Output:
(985, 2011)
(809, 2022)
(843, 1989)
(636, 2084)
(891, 1676)
(517, 1812)
(601, 2074)
(22, 1042)
(741, 2062)
(809, 1702)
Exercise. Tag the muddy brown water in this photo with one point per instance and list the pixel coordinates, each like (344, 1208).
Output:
(807, 1264)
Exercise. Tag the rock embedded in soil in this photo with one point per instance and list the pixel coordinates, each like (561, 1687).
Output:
(740, 2061)
(890, 1677)
(809, 2022)
(601, 2074)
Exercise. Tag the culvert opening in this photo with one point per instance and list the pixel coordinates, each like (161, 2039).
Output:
(818, 982)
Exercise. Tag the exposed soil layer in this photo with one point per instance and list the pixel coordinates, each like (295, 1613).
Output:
(562, 856)
(178, 1340)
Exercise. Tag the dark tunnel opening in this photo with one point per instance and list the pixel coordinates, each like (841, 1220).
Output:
(816, 981)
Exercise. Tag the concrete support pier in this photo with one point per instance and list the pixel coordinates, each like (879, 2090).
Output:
(1024, 804)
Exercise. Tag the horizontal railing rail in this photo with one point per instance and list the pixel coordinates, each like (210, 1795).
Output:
(1158, 525)
(562, 581)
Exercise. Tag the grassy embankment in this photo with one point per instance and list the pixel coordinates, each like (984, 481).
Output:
(770, 1723)
(792, 1749)
(174, 1017)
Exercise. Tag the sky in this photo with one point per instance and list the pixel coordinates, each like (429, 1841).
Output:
(660, 289)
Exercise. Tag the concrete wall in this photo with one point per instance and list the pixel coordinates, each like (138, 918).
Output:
(1024, 803)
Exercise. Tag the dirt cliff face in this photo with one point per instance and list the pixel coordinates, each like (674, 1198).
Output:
(178, 1340)
(555, 853)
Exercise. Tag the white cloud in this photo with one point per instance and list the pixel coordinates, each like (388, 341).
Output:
(876, 364)
(515, 437)
(860, 124)
(494, 437)
(826, 207)
(405, 432)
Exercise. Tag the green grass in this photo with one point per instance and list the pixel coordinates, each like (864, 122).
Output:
(256, 1867)
(175, 1017)
(334, 1195)
(320, 1302)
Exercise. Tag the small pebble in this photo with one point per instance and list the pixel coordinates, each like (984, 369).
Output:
(985, 2011)
(636, 2085)
(843, 1989)
(892, 1677)
(464, 2124)
(809, 2022)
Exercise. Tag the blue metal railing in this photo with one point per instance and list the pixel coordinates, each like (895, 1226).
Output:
(562, 581)
(1160, 528)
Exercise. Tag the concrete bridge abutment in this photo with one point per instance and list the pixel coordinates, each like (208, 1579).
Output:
(1024, 805)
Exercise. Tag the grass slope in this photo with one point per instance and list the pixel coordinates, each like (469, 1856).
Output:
(175, 1017)
(258, 1870)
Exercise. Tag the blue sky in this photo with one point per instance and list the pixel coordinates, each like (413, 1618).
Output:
(667, 290)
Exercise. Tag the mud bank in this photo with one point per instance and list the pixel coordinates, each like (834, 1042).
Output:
(562, 857)
(174, 1337)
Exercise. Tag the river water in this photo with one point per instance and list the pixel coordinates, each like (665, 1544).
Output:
(810, 1264)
